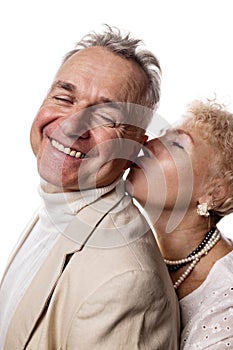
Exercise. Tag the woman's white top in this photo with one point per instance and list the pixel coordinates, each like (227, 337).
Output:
(207, 312)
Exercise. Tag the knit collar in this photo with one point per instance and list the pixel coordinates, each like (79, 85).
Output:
(72, 202)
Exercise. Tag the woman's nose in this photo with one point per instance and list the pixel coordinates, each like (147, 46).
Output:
(153, 147)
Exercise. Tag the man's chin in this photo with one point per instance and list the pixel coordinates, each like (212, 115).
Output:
(49, 188)
(53, 185)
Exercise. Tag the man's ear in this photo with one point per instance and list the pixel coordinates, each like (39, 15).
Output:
(145, 138)
(142, 139)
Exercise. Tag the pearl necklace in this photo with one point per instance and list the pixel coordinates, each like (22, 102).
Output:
(194, 258)
(209, 234)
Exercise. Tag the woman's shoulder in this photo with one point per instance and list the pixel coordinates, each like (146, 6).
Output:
(213, 290)
(208, 321)
(206, 313)
(219, 277)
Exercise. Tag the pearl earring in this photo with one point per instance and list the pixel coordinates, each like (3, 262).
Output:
(202, 210)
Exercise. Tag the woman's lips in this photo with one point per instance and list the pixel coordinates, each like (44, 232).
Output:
(135, 165)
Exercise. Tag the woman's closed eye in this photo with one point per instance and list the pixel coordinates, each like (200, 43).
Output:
(177, 144)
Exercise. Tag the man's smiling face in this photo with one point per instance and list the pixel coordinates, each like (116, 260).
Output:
(79, 135)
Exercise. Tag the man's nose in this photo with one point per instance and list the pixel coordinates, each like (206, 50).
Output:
(76, 125)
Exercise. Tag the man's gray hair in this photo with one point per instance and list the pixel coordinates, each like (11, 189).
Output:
(128, 48)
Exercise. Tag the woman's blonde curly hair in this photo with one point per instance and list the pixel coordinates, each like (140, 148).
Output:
(215, 124)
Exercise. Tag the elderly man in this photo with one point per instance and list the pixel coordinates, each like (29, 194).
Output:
(87, 273)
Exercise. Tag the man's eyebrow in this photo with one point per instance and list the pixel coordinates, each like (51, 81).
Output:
(64, 85)
(72, 88)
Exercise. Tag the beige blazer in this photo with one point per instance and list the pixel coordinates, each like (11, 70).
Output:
(104, 286)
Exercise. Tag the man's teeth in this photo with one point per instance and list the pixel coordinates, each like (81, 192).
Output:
(67, 150)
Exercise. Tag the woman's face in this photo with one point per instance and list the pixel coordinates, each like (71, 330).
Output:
(174, 171)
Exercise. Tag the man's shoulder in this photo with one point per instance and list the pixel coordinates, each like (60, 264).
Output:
(139, 258)
(111, 222)
(117, 271)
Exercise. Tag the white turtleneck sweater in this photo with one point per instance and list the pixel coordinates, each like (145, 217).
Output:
(56, 212)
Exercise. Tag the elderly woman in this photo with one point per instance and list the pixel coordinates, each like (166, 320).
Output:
(185, 184)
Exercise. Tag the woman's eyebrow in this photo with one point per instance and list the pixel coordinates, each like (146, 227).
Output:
(181, 131)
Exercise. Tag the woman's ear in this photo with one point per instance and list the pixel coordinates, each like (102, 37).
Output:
(219, 193)
(206, 199)
(215, 195)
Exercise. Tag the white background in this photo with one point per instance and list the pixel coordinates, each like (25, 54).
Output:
(191, 38)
